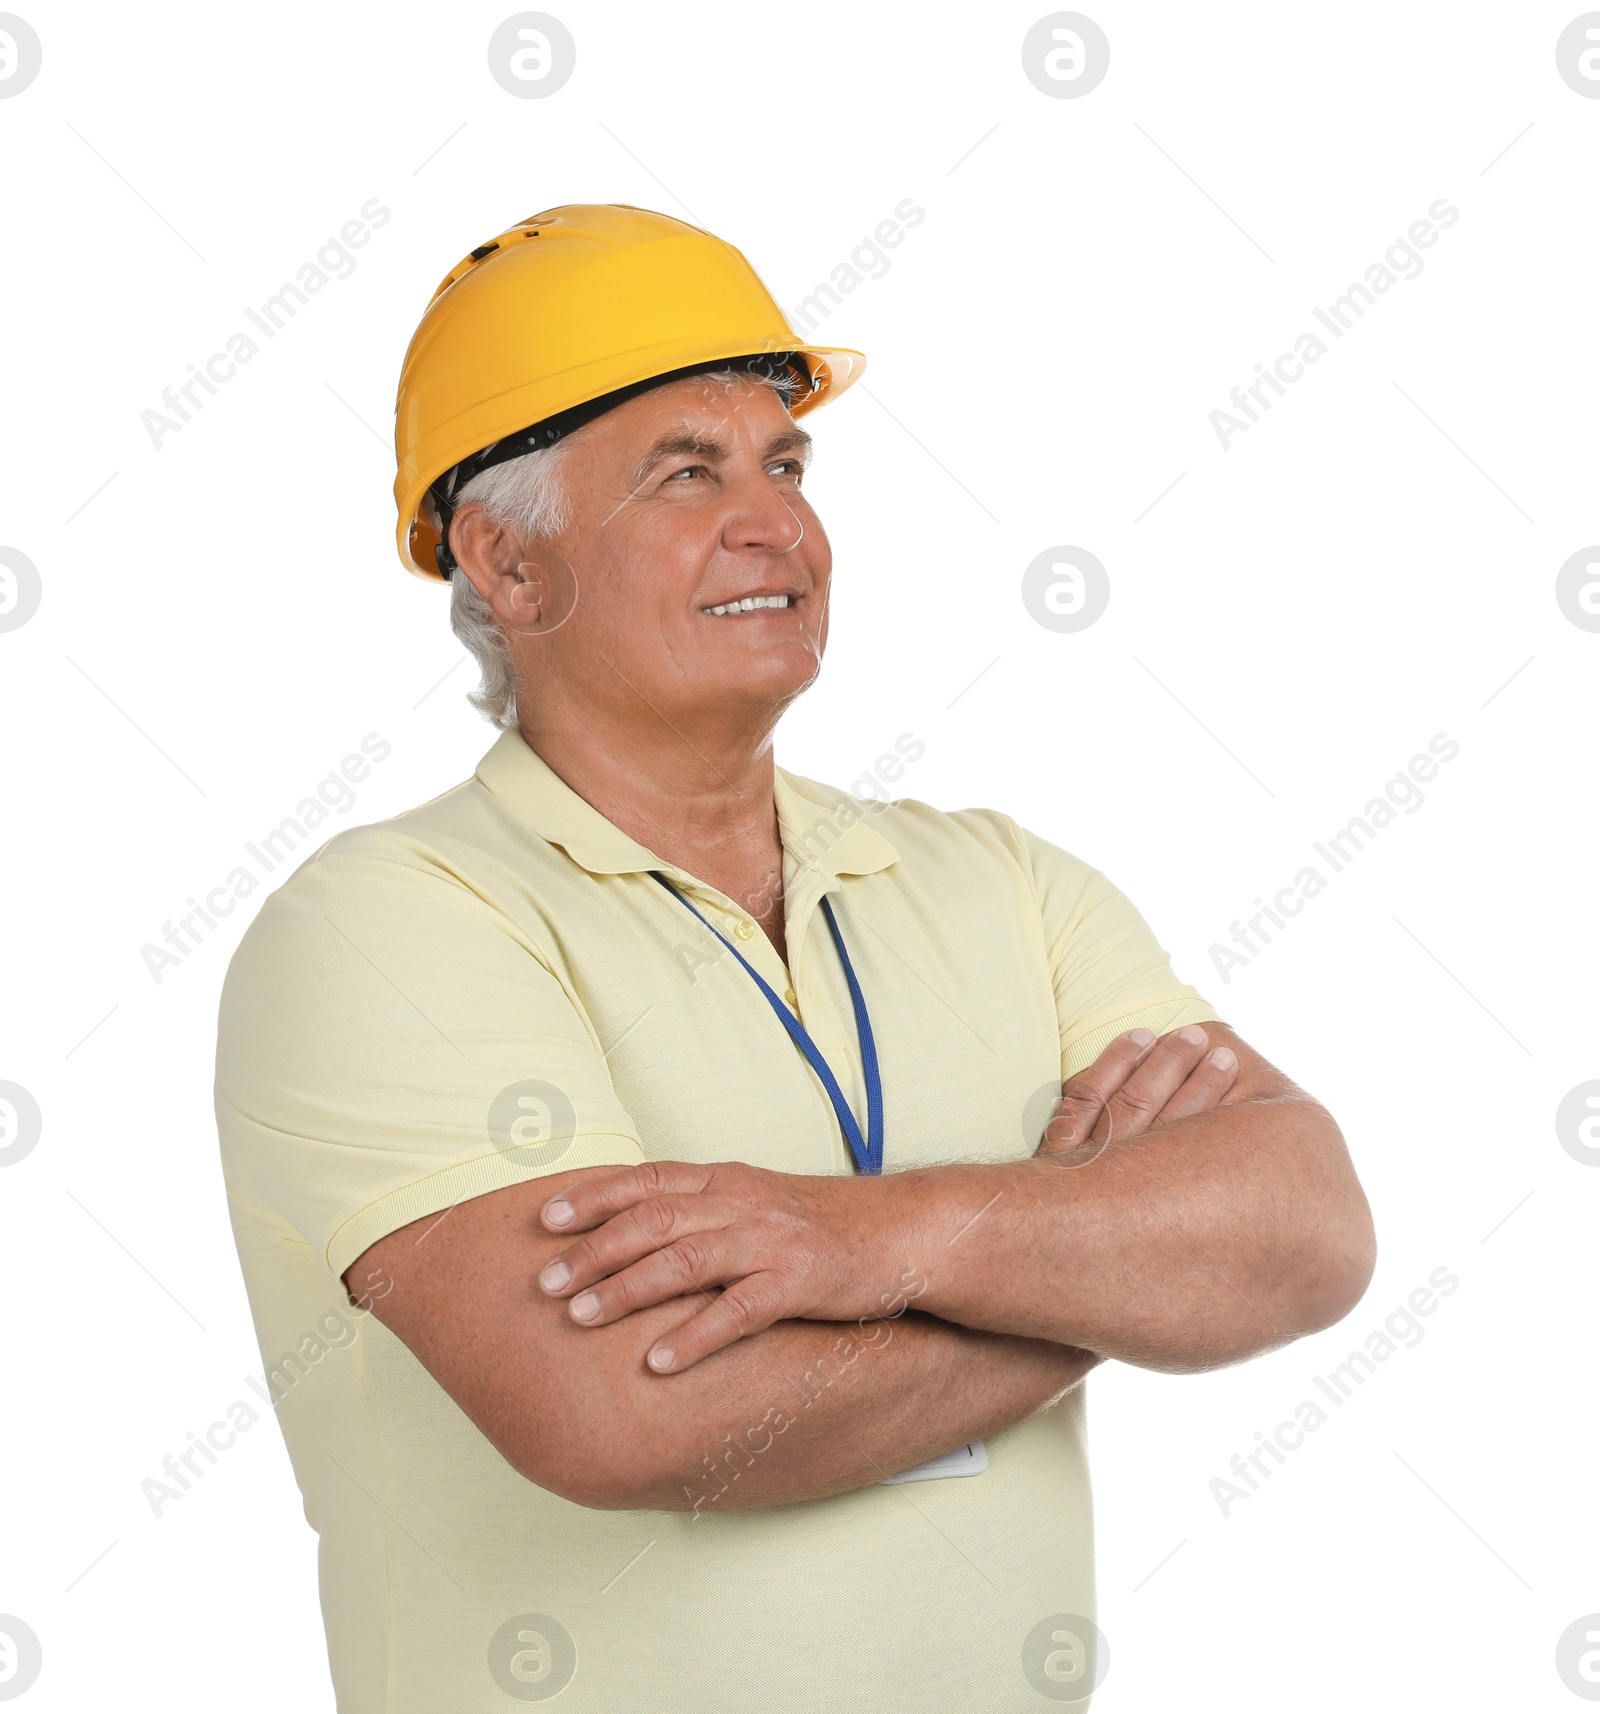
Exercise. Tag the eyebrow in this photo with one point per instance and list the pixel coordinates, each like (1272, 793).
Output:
(714, 451)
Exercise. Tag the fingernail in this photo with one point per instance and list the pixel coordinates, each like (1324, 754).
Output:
(662, 1358)
(1193, 1034)
(1223, 1059)
(1141, 1037)
(585, 1307)
(555, 1276)
(558, 1213)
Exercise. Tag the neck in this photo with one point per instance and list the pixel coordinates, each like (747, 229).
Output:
(697, 793)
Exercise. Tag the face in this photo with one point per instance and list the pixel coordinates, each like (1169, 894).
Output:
(685, 503)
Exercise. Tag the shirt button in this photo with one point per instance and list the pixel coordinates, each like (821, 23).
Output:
(744, 930)
(792, 997)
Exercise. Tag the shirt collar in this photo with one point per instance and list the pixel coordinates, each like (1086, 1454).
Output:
(823, 830)
(828, 831)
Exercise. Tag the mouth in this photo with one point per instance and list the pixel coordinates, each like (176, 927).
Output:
(752, 604)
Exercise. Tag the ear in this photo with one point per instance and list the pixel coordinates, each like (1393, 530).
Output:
(512, 576)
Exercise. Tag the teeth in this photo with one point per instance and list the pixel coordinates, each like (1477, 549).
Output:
(749, 603)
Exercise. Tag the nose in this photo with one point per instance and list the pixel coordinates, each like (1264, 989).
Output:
(760, 517)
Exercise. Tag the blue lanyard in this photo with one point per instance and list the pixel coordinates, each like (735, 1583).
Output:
(868, 1151)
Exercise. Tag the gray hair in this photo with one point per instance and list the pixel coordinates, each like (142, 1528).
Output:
(528, 496)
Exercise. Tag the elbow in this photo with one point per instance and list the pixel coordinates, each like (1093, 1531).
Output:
(604, 1466)
(1307, 1280)
(1336, 1266)
(1326, 1249)
(585, 1477)
(596, 1489)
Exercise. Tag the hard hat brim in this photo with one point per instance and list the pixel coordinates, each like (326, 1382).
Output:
(834, 369)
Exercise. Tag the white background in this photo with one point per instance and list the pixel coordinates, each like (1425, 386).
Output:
(224, 618)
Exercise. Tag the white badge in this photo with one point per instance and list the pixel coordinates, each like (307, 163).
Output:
(970, 1460)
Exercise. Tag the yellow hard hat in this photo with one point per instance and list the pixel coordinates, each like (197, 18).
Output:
(564, 315)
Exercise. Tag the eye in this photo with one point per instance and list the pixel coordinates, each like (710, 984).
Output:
(688, 470)
(792, 465)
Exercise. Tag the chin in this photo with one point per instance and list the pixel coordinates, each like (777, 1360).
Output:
(779, 674)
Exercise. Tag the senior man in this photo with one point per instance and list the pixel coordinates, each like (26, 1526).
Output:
(695, 1135)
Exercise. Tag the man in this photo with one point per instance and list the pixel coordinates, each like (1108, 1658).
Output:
(692, 1131)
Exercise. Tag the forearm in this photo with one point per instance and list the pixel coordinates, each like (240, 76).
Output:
(1199, 1243)
(807, 1409)
(799, 1411)
(1178, 1215)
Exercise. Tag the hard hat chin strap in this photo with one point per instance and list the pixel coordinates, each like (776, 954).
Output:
(785, 365)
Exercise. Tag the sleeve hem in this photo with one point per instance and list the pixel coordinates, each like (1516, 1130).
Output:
(465, 1180)
(1162, 1016)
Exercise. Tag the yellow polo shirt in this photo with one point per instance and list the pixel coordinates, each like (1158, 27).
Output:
(491, 987)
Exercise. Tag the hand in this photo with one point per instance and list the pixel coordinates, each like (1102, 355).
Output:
(1137, 1083)
(785, 1246)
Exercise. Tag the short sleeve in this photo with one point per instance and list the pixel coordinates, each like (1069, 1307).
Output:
(1109, 972)
(389, 1044)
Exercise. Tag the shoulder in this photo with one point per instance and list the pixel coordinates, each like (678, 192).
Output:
(452, 842)
(426, 878)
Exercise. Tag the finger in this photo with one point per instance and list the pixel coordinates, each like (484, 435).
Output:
(1084, 1095)
(696, 1265)
(1204, 1087)
(592, 1200)
(750, 1306)
(1158, 1077)
(624, 1239)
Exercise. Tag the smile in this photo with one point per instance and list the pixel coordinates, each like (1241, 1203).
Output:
(749, 604)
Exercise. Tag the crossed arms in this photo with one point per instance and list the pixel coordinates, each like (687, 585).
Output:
(614, 1332)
